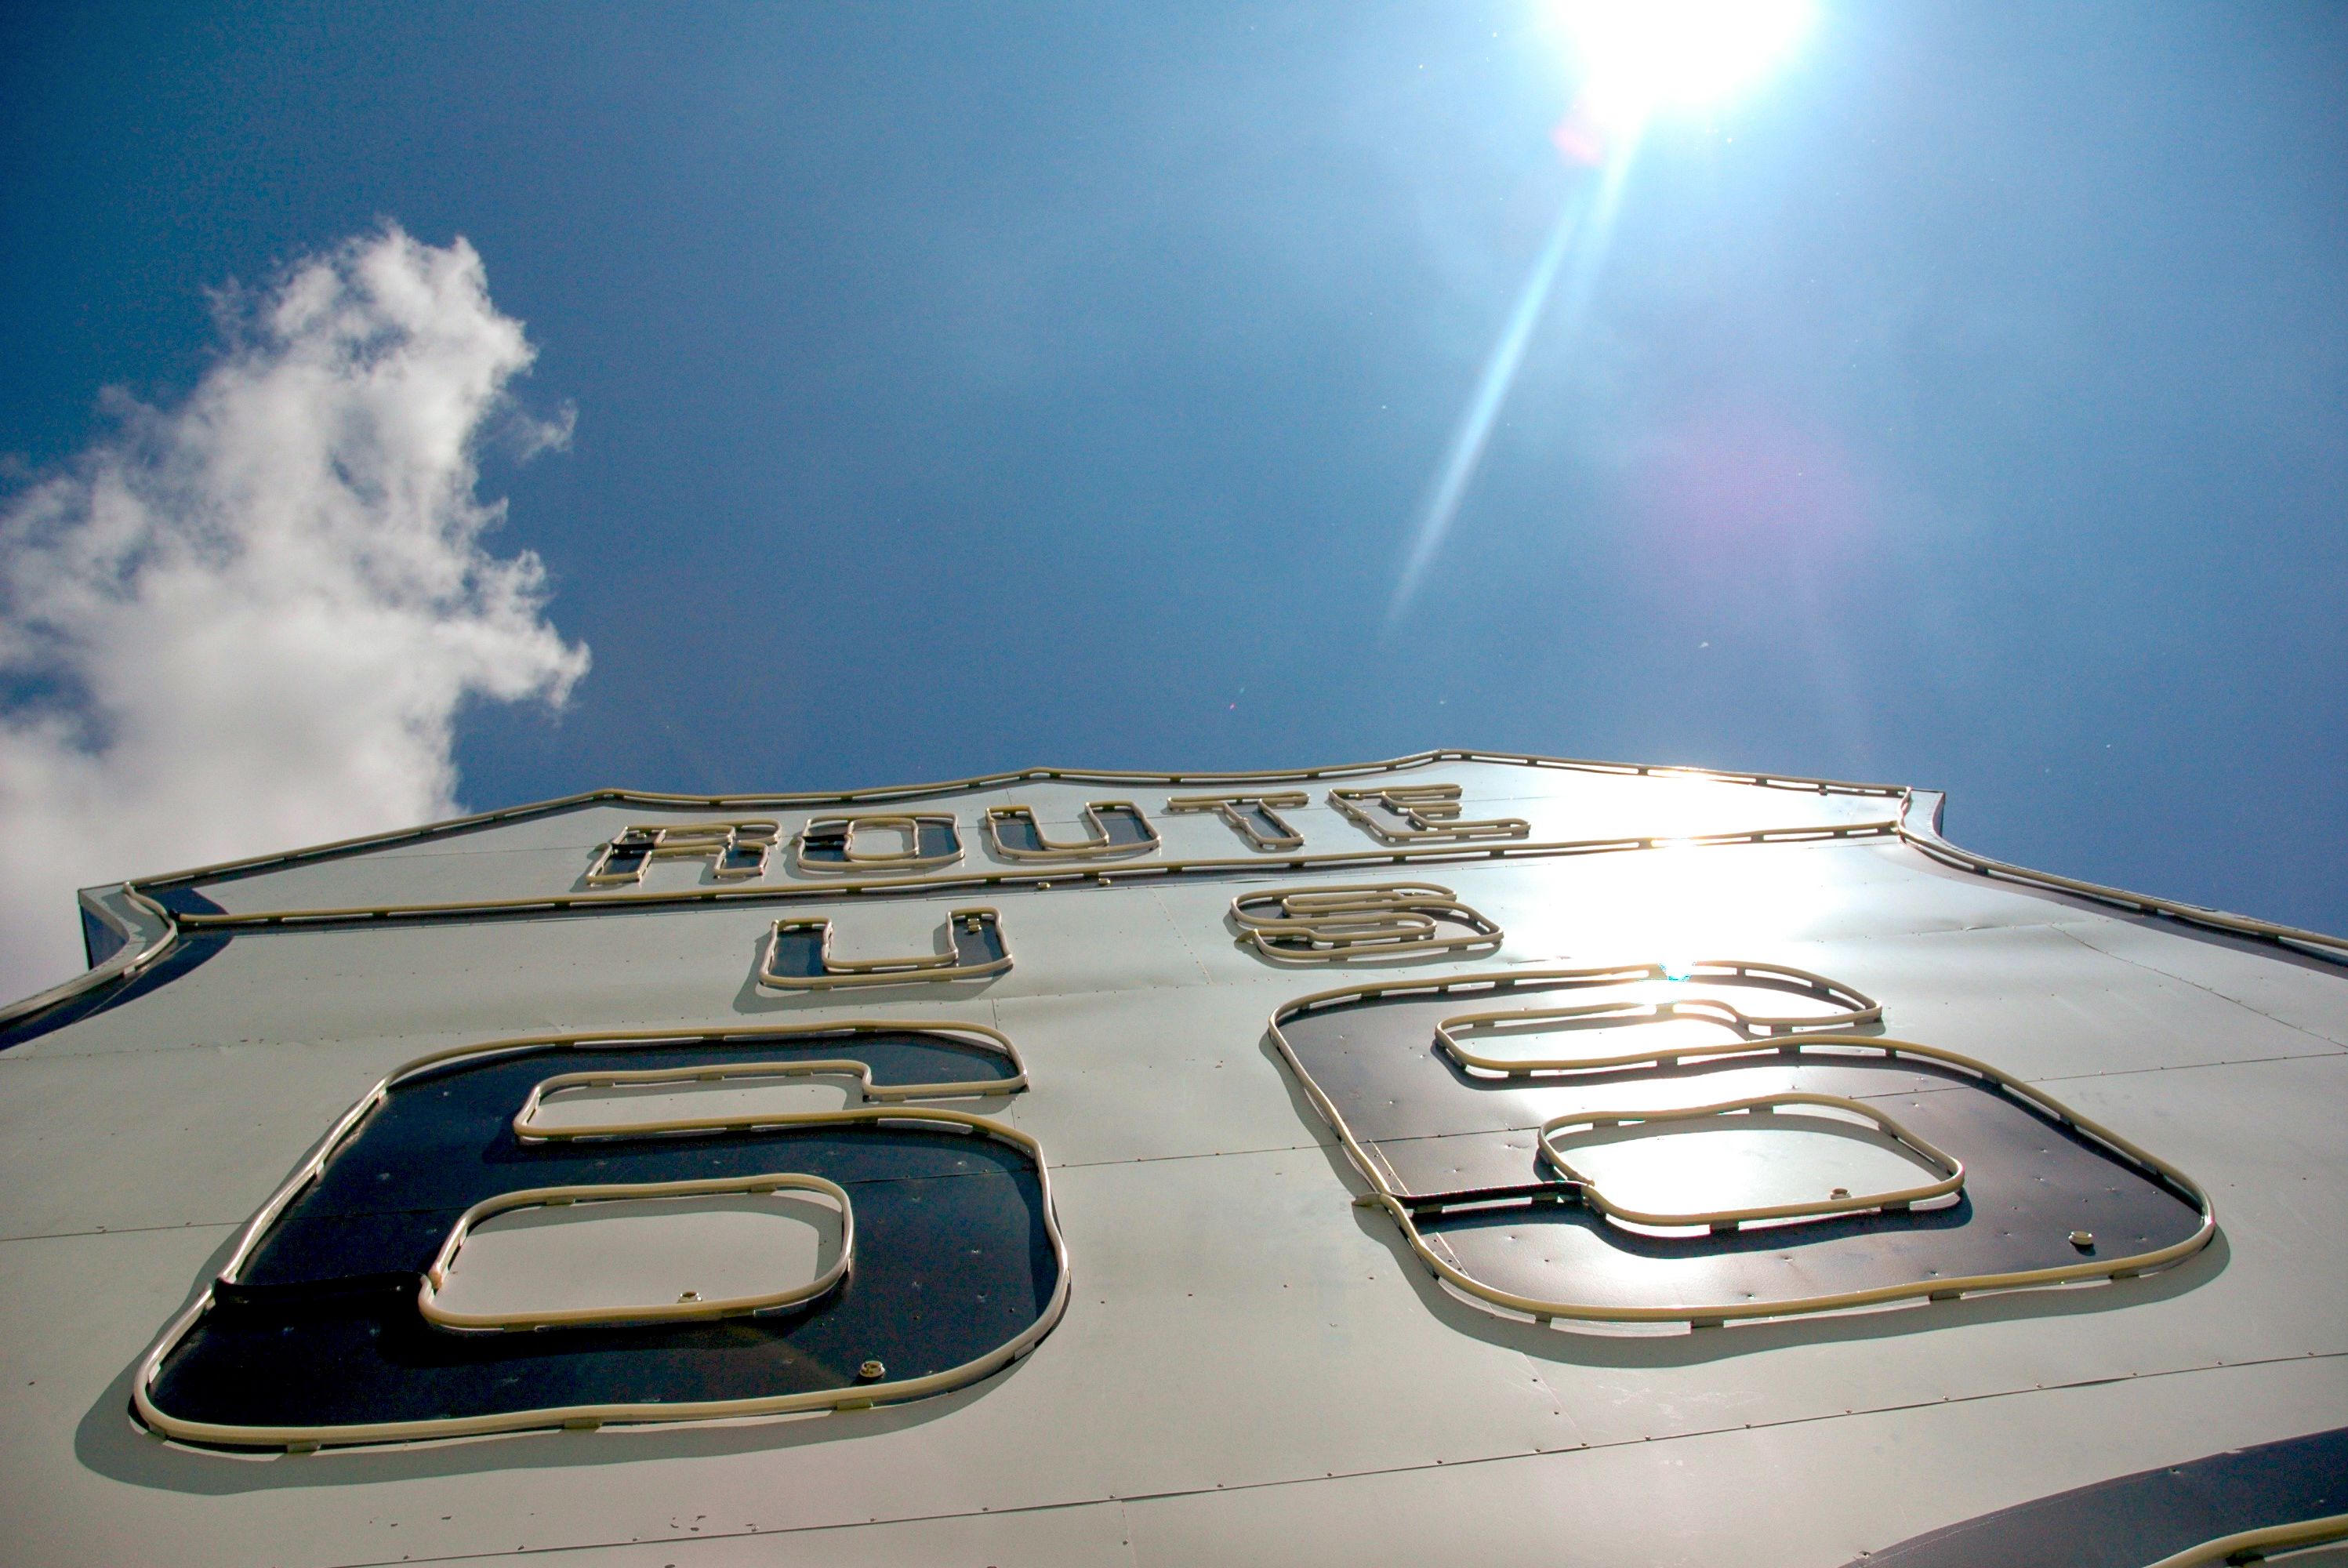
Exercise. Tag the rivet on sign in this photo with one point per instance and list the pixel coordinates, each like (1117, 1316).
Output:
(2083, 1240)
(690, 1295)
(872, 1371)
(1839, 1192)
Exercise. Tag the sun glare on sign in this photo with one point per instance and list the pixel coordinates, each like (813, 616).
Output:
(1638, 56)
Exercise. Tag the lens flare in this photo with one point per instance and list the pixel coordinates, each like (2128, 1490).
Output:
(1568, 264)
(1634, 58)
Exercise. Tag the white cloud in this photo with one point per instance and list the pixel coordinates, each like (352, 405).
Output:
(247, 621)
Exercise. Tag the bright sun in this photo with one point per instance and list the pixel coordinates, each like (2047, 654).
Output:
(1637, 57)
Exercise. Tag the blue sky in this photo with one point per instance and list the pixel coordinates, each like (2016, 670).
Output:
(962, 388)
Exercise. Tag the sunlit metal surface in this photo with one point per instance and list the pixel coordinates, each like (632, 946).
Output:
(1249, 1364)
